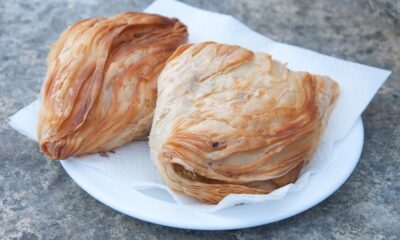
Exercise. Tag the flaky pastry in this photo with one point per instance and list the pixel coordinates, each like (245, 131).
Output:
(100, 88)
(231, 121)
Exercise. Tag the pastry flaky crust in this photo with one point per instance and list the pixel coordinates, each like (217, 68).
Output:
(231, 121)
(100, 88)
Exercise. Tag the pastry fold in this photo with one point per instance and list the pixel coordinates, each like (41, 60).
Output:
(100, 89)
(231, 121)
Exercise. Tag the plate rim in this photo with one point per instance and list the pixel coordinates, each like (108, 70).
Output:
(106, 200)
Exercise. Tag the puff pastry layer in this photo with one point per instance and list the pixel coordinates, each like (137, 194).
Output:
(100, 88)
(229, 120)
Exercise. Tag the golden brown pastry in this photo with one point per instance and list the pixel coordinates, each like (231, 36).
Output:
(100, 88)
(228, 120)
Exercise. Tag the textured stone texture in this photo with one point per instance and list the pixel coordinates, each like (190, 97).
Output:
(39, 201)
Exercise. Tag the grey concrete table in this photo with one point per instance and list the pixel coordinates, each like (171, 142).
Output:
(39, 201)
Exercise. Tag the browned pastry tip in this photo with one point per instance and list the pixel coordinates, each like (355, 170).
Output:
(100, 89)
(232, 121)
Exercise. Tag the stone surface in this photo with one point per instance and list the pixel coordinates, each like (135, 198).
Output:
(38, 200)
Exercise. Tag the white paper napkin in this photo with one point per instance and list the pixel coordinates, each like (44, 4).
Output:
(131, 164)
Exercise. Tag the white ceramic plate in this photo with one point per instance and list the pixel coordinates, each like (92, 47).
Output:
(156, 206)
